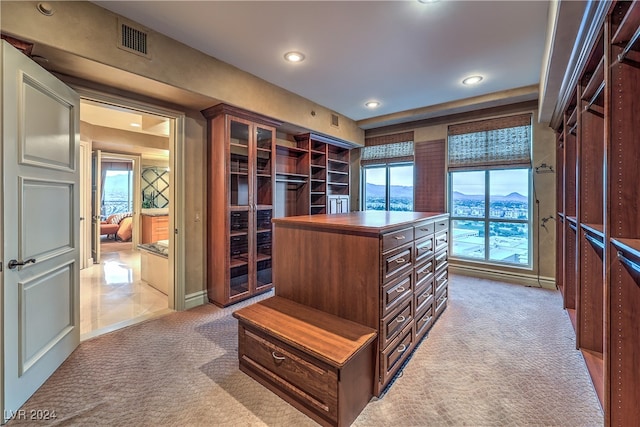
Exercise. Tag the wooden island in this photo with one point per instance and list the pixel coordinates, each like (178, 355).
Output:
(384, 270)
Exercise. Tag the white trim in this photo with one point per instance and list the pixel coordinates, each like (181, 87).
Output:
(195, 299)
(504, 276)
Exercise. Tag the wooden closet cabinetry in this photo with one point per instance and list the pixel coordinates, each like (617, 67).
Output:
(312, 175)
(598, 203)
(239, 203)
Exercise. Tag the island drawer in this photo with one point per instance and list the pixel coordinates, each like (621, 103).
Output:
(396, 238)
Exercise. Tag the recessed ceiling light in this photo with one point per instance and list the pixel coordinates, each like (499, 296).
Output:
(372, 104)
(294, 56)
(428, 1)
(135, 125)
(472, 80)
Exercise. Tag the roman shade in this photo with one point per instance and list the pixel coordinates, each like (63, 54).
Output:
(388, 149)
(493, 143)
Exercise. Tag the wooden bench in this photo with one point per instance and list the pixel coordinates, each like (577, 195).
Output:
(319, 363)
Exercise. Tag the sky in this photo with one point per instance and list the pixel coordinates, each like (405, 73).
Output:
(503, 182)
(400, 175)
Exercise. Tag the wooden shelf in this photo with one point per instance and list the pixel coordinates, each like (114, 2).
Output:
(596, 83)
(595, 366)
(572, 117)
(233, 144)
(318, 166)
(595, 229)
(629, 25)
(338, 161)
(296, 151)
(338, 172)
(262, 257)
(238, 233)
(235, 262)
(344, 184)
(629, 254)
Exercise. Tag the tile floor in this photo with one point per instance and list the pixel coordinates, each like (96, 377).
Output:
(112, 295)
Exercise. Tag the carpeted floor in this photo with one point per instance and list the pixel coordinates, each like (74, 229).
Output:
(500, 355)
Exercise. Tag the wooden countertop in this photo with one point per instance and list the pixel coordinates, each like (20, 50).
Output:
(363, 221)
(331, 339)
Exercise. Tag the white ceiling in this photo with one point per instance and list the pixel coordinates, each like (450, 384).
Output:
(405, 54)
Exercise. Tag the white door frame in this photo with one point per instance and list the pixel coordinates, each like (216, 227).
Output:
(176, 189)
(84, 160)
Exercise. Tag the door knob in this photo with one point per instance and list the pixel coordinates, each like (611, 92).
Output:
(14, 263)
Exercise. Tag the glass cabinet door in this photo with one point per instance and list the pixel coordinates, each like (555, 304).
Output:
(239, 164)
(239, 221)
(263, 248)
(263, 199)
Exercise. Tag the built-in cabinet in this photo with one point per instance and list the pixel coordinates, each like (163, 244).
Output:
(154, 228)
(312, 175)
(240, 204)
(254, 174)
(598, 203)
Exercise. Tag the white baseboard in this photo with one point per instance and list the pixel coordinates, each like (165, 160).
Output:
(504, 276)
(195, 299)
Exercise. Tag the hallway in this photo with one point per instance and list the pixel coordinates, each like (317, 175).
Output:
(112, 295)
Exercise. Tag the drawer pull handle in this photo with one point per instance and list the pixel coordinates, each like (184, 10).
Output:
(400, 237)
(425, 269)
(426, 319)
(400, 319)
(442, 224)
(402, 348)
(426, 294)
(400, 260)
(400, 289)
(276, 357)
(424, 229)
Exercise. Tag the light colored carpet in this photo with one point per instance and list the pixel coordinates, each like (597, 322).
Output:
(500, 355)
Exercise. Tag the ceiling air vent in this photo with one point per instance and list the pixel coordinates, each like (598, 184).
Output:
(334, 120)
(133, 39)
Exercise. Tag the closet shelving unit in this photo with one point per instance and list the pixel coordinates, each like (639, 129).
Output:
(599, 209)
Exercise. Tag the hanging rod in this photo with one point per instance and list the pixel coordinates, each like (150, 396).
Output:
(629, 45)
(595, 96)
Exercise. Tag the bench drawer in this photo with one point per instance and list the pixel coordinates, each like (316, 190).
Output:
(311, 381)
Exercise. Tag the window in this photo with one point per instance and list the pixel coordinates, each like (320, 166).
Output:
(117, 195)
(490, 215)
(387, 172)
(388, 187)
(489, 190)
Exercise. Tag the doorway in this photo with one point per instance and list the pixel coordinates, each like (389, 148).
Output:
(130, 279)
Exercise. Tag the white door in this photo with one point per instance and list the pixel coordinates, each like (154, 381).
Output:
(96, 203)
(40, 226)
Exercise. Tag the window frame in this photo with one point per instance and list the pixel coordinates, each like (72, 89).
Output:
(487, 219)
(387, 166)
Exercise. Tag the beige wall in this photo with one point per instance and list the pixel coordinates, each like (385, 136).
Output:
(545, 184)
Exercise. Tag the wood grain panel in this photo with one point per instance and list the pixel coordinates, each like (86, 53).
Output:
(430, 176)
